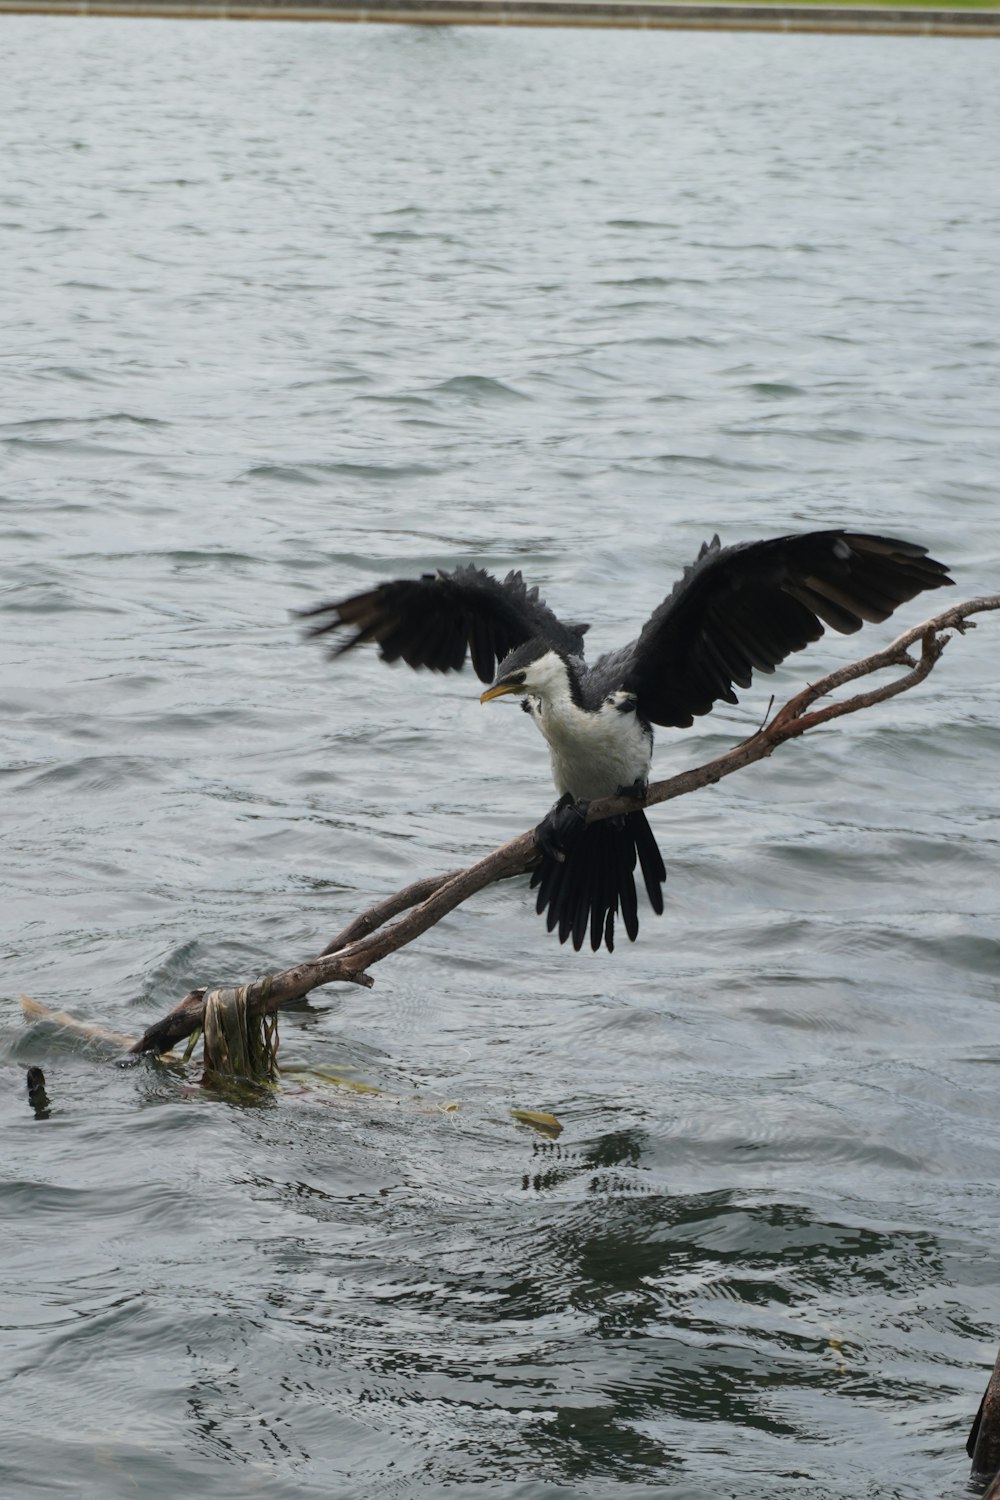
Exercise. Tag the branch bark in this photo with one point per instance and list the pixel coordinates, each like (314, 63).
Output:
(398, 919)
(983, 1446)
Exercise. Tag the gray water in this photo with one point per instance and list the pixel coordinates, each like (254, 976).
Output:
(290, 309)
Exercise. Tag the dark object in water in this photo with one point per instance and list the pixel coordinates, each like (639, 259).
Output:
(37, 1097)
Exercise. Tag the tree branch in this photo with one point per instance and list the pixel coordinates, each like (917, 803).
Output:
(398, 919)
(372, 919)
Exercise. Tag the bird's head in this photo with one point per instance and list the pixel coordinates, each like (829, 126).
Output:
(536, 670)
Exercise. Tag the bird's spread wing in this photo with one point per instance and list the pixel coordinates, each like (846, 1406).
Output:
(435, 620)
(749, 606)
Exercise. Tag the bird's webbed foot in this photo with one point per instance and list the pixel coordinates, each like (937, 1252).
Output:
(561, 827)
(636, 790)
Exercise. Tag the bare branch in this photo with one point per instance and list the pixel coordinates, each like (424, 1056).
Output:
(385, 910)
(514, 858)
(375, 934)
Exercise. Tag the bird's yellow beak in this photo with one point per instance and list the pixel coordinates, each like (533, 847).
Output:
(498, 690)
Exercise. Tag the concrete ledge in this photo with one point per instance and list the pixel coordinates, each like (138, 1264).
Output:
(667, 15)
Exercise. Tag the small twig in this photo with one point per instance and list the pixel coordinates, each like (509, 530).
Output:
(400, 918)
(764, 718)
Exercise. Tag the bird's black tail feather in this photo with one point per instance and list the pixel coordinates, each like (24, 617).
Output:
(596, 880)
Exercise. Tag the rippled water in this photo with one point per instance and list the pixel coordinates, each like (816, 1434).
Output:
(292, 308)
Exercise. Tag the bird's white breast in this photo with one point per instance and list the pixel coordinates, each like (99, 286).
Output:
(593, 754)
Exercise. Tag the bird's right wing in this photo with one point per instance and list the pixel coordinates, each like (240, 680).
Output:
(435, 620)
(745, 608)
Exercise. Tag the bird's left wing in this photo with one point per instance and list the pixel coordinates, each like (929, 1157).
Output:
(745, 608)
(435, 620)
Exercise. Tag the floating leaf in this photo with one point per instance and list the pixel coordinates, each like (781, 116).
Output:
(543, 1123)
(325, 1079)
(296, 1065)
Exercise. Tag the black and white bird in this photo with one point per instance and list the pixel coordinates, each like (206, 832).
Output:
(735, 610)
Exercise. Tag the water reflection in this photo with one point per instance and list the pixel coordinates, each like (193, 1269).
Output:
(614, 1331)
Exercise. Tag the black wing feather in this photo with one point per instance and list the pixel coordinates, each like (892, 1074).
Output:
(436, 620)
(744, 608)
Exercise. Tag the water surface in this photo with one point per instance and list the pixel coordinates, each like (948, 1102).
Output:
(290, 309)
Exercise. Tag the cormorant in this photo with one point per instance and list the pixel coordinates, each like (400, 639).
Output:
(735, 609)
